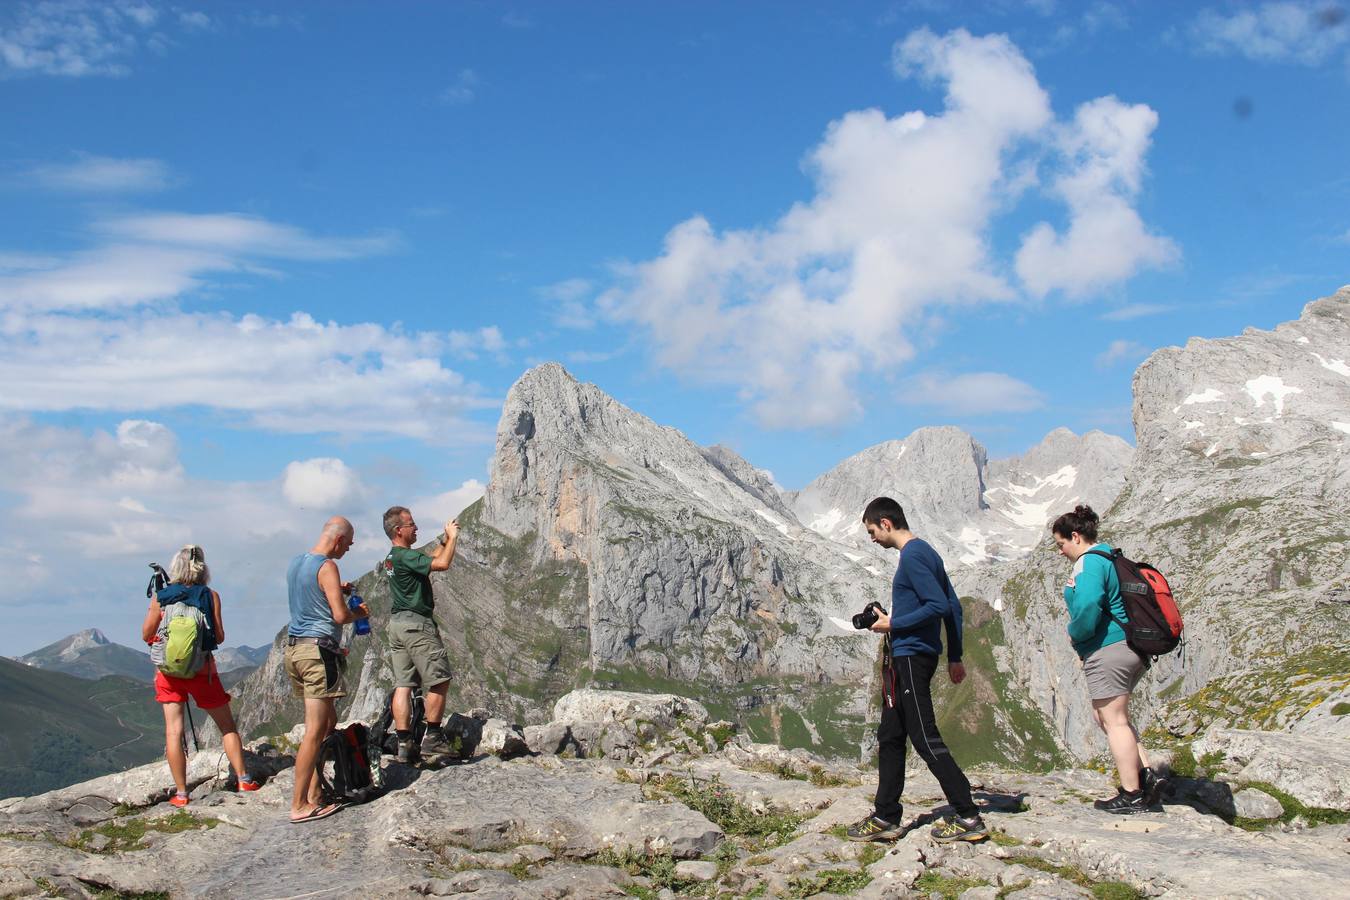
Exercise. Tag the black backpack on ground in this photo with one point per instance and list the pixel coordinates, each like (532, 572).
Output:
(343, 767)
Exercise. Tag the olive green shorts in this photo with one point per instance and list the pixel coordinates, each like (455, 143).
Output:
(416, 651)
(316, 672)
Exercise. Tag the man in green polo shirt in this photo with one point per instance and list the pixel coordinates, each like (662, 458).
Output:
(415, 648)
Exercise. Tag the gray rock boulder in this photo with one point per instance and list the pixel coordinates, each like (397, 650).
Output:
(1313, 770)
(502, 739)
(1252, 803)
(666, 711)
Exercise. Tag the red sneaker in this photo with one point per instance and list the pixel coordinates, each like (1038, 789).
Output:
(248, 784)
(179, 799)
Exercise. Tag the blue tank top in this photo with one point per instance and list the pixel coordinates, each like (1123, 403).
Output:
(310, 613)
(198, 595)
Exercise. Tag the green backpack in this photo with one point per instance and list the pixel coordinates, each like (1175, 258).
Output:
(178, 652)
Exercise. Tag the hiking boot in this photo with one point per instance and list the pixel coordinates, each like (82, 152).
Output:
(407, 752)
(179, 799)
(1124, 803)
(874, 828)
(955, 828)
(435, 748)
(1153, 785)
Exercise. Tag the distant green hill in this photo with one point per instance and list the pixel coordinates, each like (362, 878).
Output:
(57, 729)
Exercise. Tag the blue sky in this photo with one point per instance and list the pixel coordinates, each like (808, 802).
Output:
(260, 263)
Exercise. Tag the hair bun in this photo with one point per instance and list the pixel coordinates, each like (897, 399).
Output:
(1086, 512)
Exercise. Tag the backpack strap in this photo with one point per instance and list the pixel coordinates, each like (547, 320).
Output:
(1113, 556)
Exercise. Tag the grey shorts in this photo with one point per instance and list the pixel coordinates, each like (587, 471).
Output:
(416, 651)
(1113, 670)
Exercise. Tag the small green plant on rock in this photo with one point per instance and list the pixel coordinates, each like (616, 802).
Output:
(949, 887)
(719, 805)
(127, 835)
(659, 867)
(1103, 890)
(107, 893)
(830, 881)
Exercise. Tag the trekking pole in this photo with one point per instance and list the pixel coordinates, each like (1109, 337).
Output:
(196, 745)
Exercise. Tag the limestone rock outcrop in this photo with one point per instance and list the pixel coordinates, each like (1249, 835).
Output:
(741, 819)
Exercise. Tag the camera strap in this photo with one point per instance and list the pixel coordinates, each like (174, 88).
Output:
(887, 674)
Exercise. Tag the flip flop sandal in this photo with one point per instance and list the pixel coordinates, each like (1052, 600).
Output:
(319, 812)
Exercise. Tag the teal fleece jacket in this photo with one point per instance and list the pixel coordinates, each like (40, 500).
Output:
(1093, 598)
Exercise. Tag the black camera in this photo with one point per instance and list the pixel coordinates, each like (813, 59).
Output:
(864, 619)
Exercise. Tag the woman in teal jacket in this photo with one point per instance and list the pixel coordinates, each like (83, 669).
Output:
(1111, 668)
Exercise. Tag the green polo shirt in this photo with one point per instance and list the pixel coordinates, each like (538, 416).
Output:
(409, 573)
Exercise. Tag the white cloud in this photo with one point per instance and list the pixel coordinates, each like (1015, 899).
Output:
(462, 90)
(293, 376)
(106, 503)
(569, 298)
(1106, 241)
(793, 313)
(194, 20)
(970, 394)
(146, 258)
(102, 174)
(76, 38)
(1120, 351)
(438, 509)
(320, 484)
(257, 19)
(1136, 311)
(1307, 33)
(236, 233)
(468, 344)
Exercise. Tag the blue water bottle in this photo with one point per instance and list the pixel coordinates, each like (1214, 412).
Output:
(361, 626)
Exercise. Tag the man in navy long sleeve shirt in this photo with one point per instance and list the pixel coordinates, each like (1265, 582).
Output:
(922, 603)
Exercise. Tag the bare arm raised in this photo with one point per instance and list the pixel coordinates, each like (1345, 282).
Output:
(445, 553)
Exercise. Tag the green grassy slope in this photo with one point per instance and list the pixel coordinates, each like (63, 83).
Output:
(57, 729)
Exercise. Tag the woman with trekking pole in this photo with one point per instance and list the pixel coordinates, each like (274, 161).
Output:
(183, 626)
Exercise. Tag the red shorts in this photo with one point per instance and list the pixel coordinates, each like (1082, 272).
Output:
(204, 687)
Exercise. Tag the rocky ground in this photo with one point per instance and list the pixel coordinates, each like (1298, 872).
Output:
(641, 795)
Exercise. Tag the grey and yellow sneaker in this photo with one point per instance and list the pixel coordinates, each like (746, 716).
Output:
(955, 828)
(875, 828)
(435, 748)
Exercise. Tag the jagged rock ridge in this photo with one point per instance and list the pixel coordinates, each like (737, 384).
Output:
(610, 550)
(972, 509)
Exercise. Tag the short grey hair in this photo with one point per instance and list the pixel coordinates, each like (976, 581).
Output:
(188, 566)
(391, 519)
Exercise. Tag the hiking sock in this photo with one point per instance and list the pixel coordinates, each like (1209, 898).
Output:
(433, 726)
(403, 734)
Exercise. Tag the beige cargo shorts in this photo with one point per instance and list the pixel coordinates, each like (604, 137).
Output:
(416, 651)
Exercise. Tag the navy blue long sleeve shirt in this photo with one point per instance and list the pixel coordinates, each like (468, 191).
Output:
(922, 599)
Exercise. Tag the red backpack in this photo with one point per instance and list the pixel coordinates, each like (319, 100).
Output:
(1152, 621)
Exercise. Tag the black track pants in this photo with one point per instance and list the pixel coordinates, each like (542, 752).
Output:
(911, 717)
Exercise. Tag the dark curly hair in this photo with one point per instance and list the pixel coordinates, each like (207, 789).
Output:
(1082, 520)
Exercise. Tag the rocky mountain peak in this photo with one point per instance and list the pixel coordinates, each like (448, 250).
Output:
(83, 640)
(972, 509)
(1237, 400)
